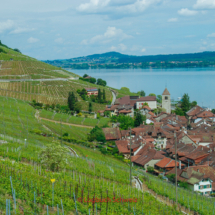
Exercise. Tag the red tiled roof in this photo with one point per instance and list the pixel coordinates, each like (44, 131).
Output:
(166, 92)
(167, 162)
(125, 111)
(112, 133)
(195, 110)
(146, 107)
(122, 146)
(146, 98)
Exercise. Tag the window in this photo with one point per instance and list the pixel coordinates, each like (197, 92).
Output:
(166, 97)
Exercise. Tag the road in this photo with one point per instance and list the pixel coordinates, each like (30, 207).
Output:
(114, 97)
(43, 79)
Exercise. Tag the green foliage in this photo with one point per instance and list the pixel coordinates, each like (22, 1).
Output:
(159, 98)
(71, 101)
(54, 157)
(179, 111)
(101, 82)
(77, 107)
(139, 119)
(2, 51)
(99, 95)
(82, 93)
(126, 122)
(107, 113)
(85, 75)
(97, 134)
(171, 177)
(141, 93)
(150, 169)
(90, 107)
(152, 94)
(104, 95)
(17, 50)
(193, 104)
(183, 184)
(185, 104)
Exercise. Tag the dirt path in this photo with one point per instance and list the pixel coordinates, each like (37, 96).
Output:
(167, 201)
(65, 123)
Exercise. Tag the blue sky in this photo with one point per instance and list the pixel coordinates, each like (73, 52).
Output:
(62, 29)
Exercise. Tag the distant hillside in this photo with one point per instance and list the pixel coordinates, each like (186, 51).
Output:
(26, 78)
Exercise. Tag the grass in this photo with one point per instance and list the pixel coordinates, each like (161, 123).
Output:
(74, 119)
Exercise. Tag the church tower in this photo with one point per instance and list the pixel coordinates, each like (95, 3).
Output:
(166, 101)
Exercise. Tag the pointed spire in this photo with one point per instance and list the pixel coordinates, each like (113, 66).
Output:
(166, 92)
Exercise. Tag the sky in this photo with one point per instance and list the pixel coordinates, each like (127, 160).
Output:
(63, 29)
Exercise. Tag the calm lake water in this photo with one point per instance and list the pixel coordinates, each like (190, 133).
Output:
(199, 83)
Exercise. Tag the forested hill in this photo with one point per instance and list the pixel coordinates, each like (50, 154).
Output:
(115, 57)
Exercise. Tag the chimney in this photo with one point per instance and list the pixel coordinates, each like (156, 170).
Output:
(202, 148)
(179, 164)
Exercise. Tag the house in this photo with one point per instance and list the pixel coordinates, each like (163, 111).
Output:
(150, 100)
(116, 110)
(137, 102)
(145, 110)
(122, 146)
(199, 178)
(92, 91)
(166, 164)
(149, 158)
(112, 134)
(197, 113)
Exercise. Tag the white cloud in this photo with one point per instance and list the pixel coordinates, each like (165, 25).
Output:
(111, 34)
(116, 9)
(211, 35)
(187, 12)
(93, 5)
(21, 30)
(143, 50)
(32, 40)
(59, 40)
(7, 25)
(173, 20)
(120, 47)
(205, 4)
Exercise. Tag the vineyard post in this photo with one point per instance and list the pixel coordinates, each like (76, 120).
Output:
(175, 169)
(62, 207)
(130, 157)
(57, 210)
(47, 209)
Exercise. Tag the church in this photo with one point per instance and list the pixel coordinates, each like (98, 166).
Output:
(166, 101)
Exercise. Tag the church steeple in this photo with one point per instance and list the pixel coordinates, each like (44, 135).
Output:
(166, 101)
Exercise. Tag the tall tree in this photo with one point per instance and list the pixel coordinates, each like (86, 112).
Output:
(99, 95)
(185, 104)
(104, 95)
(71, 100)
(90, 107)
(142, 93)
(139, 119)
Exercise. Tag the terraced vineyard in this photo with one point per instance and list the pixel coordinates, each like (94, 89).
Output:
(28, 79)
(91, 175)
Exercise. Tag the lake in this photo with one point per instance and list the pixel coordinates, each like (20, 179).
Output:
(199, 83)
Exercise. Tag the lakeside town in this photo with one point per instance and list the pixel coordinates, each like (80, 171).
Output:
(163, 138)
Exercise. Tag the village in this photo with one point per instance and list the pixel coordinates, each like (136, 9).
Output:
(166, 137)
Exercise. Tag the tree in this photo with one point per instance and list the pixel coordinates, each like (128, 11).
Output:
(152, 94)
(71, 100)
(101, 82)
(99, 95)
(83, 93)
(139, 119)
(85, 75)
(150, 169)
(54, 157)
(90, 107)
(97, 134)
(185, 104)
(142, 93)
(179, 111)
(107, 113)
(92, 80)
(126, 122)
(17, 50)
(159, 98)
(171, 177)
(104, 95)
(193, 104)
(77, 107)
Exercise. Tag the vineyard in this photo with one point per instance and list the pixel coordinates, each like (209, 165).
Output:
(26, 186)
